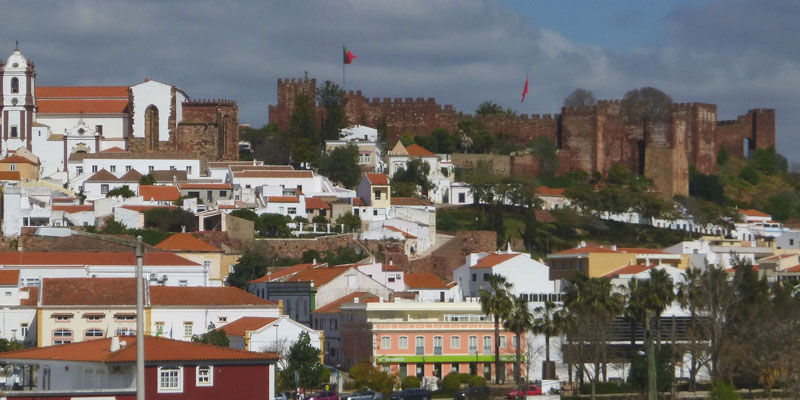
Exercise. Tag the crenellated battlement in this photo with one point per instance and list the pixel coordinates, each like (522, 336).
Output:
(289, 81)
(206, 102)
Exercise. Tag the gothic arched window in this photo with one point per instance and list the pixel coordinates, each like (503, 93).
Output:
(14, 85)
(151, 128)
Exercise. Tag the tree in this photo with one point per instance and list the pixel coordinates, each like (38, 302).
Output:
(245, 213)
(519, 320)
(170, 220)
(547, 153)
(579, 98)
(10, 345)
(303, 362)
(488, 107)
(769, 162)
(646, 104)
(351, 222)
(689, 296)
(213, 336)
(415, 174)
(331, 97)
(250, 266)
(368, 376)
(123, 191)
(147, 180)
(305, 138)
(273, 225)
(495, 301)
(410, 382)
(341, 166)
(548, 322)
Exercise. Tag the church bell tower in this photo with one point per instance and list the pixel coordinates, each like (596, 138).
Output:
(17, 102)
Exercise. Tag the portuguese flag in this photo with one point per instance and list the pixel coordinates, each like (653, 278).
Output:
(348, 56)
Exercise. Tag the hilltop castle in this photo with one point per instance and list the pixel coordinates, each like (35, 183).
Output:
(589, 139)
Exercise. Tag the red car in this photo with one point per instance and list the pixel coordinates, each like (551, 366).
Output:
(532, 390)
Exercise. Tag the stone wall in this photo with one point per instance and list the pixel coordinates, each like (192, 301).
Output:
(501, 164)
(453, 254)
(294, 248)
(757, 126)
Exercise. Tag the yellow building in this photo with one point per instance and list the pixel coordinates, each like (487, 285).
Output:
(375, 190)
(598, 261)
(26, 168)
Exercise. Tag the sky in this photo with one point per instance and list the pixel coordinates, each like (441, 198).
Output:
(734, 53)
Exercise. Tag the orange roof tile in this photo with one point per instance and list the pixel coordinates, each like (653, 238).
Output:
(102, 176)
(795, 268)
(9, 176)
(9, 277)
(319, 276)
(315, 203)
(333, 307)
(33, 296)
(410, 201)
(493, 259)
(145, 208)
(93, 92)
(156, 349)
(77, 106)
(284, 272)
(204, 296)
(753, 213)
(247, 167)
(88, 291)
(640, 250)
(17, 159)
(212, 186)
(273, 174)
(377, 179)
(114, 150)
(131, 176)
(547, 191)
(83, 258)
(777, 257)
(405, 234)
(245, 324)
(73, 208)
(628, 270)
(358, 202)
(159, 193)
(587, 250)
(63, 199)
(185, 242)
(419, 151)
(424, 280)
(283, 199)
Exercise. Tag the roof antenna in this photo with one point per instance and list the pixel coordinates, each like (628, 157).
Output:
(16, 48)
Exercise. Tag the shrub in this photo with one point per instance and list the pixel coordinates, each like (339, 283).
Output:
(245, 213)
(723, 391)
(749, 174)
(452, 382)
(475, 380)
(410, 382)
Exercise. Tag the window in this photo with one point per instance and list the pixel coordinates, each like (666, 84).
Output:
(14, 85)
(24, 330)
(113, 168)
(487, 345)
(386, 342)
(104, 188)
(93, 333)
(420, 345)
(79, 170)
(159, 328)
(502, 342)
(205, 375)
(223, 193)
(391, 279)
(402, 342)
(99, 129)
(170, 379)
(94, 168)
(473, 345)
(63, 317)
(455, 342)
(375, 212)
(127, 168)
(187, 328)
(222, 319)
(188, 170)
(355, 211)
(172, 168)
(514, 341)
(94, 317)
(183, 282)
(437, 345)
(377, 195)
(462, 198)
(474, 277)
(62, 336)
(12, 167)
(125, 317)
(151, 168)
(14, 132)
(292, 210)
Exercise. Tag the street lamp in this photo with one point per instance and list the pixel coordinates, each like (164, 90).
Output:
(138, 247)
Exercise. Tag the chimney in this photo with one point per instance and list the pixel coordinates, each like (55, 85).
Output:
(115, 344)
(613, 247)
(122, 344)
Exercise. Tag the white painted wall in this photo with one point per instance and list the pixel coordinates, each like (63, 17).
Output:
(200, 317)
(158, 94)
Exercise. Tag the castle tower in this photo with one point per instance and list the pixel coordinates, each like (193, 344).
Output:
(17, 104)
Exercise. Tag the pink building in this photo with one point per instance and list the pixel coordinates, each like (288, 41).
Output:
(425, 339)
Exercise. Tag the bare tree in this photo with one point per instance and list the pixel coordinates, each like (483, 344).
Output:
(646, 104)
(580, 97)
(280, 347)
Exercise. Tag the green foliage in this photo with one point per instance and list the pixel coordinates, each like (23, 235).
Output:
(444, 142)
(303, 358)
(273, 225)
(488, 108)
(331, 97)
(351, 222)
(368, 376)
(10, 345)
(306, 140)
(452, 382)
(213, 336)
(147, 180)
(547, 153)
(267, 144)
(407, 139)
(665, 371)
(341, 165)
(245, 213)
(784, 205)
(149, 236)
(706, 187)
(414, 175)
(722, 390)
(112, 227)
(123, 191)
(607, 388)
(476, 380)
(251, 265)
(750, 175)
(723, 156)
(769, 162)
(170, 220)
(410, 382)
(478, 139)
(319, 219)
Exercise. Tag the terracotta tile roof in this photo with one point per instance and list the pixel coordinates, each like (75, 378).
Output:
(73, 208)
(185, 242)
(156, 349)
(424, 280)
(145, 208)
(777, 257)
(239, 168)
(244, 324)
(9, 176)
(77, 106)
(544, 216)
(753, 213)
(755, 268)
(159, 193)
(33, 296)
(315, 203)
(795, 268)
(226, 164)
(640, 250)
(333, 307)
(405, 234)
(628, 270)
(88, 291)
(114, 150)
(82, 258)
(93, 92)
(419, 151)
(205, 296)
(357, 202)
(283, 199)
(273, 174)
(63, 199)
(410, 201)
(17, 160)
(388, 267)
(9, 277)
(493, 259)
(102, 176)
(284, 272)
(377, 179)
(167, 175)
(131, 176)
(587, 250)
(547, 191)
(211, 186)
(319, 276)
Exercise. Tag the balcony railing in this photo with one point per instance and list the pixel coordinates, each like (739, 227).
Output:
(473, 350)
(420, 350)
(487, 349)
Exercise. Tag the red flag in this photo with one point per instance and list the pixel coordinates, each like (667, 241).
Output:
(524, 90)
(348, 56)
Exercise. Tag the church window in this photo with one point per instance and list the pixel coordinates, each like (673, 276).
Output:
(14, 132)
(99, 129)
(14, 85)
(151, 128)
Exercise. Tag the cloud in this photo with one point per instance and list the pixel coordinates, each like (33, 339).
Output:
(739, 55)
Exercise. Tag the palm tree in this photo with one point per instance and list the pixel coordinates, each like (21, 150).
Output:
(547, 323)
(689, 298)
(495, 301)
(519, 320)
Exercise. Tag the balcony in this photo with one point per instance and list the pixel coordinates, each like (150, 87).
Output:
(473, 350)
(487, 349)
(420, 350)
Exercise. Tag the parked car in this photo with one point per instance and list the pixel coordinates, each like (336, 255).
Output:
(412, 394)
(362, 395)
(531, 390)
(324, 395)
(474, 393)
(281, 396)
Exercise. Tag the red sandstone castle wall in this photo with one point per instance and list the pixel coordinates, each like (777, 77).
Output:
(758, 125)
